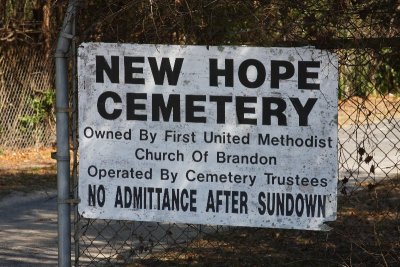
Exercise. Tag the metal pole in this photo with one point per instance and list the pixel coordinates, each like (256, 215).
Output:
(62, 114)
(75, 146)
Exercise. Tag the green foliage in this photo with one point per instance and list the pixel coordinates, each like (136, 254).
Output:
(388, 73)
(42, 108)
(16, 10)
(373, 72)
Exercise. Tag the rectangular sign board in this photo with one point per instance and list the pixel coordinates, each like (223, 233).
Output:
(242, 136)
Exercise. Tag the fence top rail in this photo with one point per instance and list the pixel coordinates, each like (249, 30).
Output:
(344, 43)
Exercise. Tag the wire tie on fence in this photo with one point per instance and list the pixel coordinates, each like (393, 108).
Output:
(62, 158)
(71, 201)
(67, 35)
(59, 158)
(64, 110)
(60, 55)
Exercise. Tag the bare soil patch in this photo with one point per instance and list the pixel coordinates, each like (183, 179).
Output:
(26, 170)
(26, 159)
(358, 110)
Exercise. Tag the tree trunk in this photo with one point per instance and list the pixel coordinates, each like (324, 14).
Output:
(46, 28)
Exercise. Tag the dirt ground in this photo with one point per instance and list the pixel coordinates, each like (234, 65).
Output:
(26, 170)
(358, 110)
(26, 159)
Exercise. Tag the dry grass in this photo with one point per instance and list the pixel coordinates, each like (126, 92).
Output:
(26, 170)
(26, 159)
(358, 110)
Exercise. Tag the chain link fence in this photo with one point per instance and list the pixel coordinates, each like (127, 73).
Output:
(365, 38)
(366, 232)
(27, 98)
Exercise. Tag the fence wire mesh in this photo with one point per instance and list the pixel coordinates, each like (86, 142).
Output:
(365, 36)
(366, 232)
(26, 98)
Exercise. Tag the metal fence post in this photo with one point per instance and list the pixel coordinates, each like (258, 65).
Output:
(62, 116)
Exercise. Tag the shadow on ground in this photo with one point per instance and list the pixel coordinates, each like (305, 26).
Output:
(366, 233)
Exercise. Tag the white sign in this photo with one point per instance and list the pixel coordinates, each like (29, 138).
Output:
(243, 136)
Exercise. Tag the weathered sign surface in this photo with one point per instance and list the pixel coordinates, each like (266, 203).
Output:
(243, 136)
